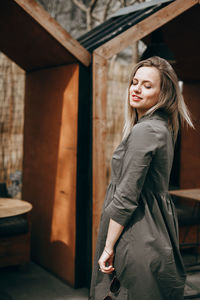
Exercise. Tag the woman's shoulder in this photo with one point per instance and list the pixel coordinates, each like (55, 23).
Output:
(149, 131)
(153, 126)
(142, 133)
(147, 126)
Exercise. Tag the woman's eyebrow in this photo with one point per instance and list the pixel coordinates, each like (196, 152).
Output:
(143, 81)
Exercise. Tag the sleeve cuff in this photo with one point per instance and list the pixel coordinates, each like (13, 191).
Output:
(116, 215)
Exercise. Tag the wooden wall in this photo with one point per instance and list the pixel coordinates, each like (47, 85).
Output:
(50, 164)
(190, 139)
(189, 154)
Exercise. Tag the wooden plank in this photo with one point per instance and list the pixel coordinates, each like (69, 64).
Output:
(190, 238)
(50, 166)
(59, 33)
(33, 40)
(145, 27)
(14, 250)
(190, 142)
(99, 135)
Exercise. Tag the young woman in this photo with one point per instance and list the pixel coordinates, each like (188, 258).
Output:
(137, 253)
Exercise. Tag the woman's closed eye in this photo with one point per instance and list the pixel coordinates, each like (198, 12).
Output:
(147, 86)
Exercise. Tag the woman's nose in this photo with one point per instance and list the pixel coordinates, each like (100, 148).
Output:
(137, 88)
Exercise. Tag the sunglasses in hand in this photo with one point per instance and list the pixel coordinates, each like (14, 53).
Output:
(114, 288)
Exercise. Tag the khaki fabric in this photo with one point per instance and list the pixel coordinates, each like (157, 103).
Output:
(147, 258)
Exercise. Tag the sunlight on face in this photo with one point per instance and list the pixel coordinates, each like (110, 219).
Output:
(145, 89)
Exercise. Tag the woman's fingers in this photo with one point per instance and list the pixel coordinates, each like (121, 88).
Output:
(107, 270)
(106, 263)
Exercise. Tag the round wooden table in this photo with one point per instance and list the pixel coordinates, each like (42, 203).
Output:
(10, 207)
(14, 247)
(193, 194)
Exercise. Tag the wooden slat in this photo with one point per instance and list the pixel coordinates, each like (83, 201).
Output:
(50, 166)
(50, 25)
(99, 135)
(145, 27)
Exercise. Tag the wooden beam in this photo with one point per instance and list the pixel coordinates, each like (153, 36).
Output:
(99, 135)
(55, 30)
(145, 27)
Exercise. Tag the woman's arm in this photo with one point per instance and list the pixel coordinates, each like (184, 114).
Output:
(106, 259)
(140, 149)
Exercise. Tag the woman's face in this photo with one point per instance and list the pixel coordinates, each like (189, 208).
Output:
(145, 89)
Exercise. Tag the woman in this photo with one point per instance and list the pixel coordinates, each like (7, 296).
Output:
(138, 235)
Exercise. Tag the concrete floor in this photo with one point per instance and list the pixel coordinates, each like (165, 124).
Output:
(35, 283)
(192, 286)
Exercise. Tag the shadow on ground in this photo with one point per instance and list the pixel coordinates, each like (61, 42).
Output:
(34, 283)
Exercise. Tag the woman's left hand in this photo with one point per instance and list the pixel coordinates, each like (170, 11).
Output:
(106, 261)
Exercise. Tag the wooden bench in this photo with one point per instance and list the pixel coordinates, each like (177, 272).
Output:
(14, 232)
(188, 211)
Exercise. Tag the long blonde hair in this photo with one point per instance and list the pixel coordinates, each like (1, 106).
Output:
(170, 98)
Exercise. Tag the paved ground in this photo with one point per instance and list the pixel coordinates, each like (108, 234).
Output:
(192, 286)
(34, 283)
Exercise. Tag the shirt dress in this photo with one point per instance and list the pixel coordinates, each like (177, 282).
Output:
(147, 260)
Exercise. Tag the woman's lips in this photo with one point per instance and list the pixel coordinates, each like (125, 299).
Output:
(136, 98)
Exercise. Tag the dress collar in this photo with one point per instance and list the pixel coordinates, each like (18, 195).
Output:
(158, 115)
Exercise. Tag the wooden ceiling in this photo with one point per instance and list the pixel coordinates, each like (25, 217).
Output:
(182, 35)
(34, 40)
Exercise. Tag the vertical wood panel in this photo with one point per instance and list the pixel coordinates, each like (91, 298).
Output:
(99, 136)
(50, 158)
(190, 140)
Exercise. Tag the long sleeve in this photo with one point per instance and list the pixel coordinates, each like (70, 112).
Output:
(140, 149)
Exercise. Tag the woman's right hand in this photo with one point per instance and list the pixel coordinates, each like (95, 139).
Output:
(107, 257)
(106, 261)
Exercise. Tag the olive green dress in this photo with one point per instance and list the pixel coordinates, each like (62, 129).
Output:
(147, 258)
